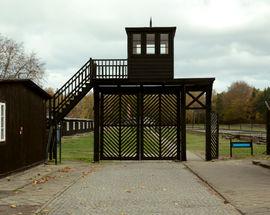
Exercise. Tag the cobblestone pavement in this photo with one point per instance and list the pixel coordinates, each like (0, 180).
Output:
(25, 192)
(243, 184)
(127, 188)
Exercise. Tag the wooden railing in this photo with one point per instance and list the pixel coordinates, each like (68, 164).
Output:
(70, 89)
(111, 68)
(73, 89)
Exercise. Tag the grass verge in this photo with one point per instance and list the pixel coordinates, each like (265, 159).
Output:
(78, 147)
(196, 143)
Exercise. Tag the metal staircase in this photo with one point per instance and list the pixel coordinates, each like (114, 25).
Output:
(65, 99)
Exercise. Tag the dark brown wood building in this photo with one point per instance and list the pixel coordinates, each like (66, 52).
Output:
(23, 125)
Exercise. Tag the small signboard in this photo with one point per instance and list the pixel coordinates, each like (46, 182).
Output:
(241, 144)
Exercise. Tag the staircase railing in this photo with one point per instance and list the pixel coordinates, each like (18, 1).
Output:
(69, 90)
(68, 96)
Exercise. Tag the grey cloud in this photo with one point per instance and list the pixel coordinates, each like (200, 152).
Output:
(66, 33)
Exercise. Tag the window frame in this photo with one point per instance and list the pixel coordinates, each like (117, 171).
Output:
(132, 44)
(154, 44)
(168, 47)
(3, 104)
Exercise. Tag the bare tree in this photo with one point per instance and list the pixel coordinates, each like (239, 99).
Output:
(16, 64)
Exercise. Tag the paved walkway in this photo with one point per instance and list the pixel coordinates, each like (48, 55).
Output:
(123, 188)
(25, 192)
(243, 184)
(138, 187)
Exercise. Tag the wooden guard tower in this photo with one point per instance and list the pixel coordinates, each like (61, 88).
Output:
(139, 107)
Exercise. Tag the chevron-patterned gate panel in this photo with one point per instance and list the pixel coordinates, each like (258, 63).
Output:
(140, 125)
(159, 139)
(119, 127)
(214, 136)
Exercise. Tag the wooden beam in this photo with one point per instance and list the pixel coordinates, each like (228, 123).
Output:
(208, 155)
(183, 124)
(96, 124)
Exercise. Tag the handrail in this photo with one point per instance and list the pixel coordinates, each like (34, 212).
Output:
(61, 101)
(70, 89)
(75, 75)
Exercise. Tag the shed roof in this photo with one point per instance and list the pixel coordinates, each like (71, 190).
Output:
(28, 83)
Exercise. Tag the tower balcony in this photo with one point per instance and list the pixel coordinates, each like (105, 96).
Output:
(110, 69)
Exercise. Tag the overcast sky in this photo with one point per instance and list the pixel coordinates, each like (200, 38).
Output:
(226, 39)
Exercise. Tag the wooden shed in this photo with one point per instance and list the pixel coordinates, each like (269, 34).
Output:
(22, 125)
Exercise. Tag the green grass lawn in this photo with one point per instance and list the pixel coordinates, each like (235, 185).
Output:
(196, 143)
(78, 147)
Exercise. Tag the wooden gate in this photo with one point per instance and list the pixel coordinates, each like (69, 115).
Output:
(214, 135)
(119, 126)
(142, 125)
(160, 136)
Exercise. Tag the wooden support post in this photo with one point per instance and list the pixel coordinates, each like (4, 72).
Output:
(179, 124)
(96, 124)
(208, 155)
(140, 123)
(183, 124)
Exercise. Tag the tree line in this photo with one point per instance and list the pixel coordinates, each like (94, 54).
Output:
(241, 103)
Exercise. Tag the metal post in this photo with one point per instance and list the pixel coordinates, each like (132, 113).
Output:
(60, 143)
(268, 132)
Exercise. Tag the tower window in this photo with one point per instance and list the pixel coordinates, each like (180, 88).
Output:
(136, 44)
(164, 43)
(150, 44)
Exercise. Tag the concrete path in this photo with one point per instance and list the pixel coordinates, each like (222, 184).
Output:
(123, 188)
(243, 184)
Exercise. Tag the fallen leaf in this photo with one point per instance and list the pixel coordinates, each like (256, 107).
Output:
(65, 169)
(43, 180)
(13, 206)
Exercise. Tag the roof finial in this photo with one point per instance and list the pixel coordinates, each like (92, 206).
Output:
(151, 22)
